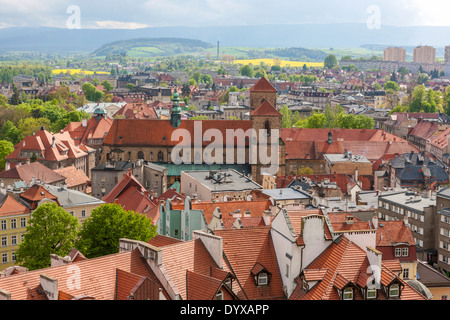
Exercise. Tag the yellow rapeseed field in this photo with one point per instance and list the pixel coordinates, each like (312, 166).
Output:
(283, 63)
(76, 71)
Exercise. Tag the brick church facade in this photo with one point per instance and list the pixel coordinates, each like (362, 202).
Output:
(154, 140)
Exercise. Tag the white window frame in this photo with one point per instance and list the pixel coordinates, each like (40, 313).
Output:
(397, 288)
(371, 290)
(4, 225)
(4, 258)
(23, 222)
(13, 240)
(347, 294)
(405, 250)
(13, 223)
(399, 254)
(263, 279)
(219, 295)
(4, 241)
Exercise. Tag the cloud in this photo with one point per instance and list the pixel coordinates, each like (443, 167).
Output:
(115, 14)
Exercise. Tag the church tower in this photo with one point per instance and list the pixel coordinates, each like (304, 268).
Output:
(175, 114)
(266, 117)
(262, 91)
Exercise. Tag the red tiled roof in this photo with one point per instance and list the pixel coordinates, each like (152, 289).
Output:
(256, 208)
(137, 111)
(139, 132)
(180, 257)
(73, 176)
(392, 232)
(200, 286)
(10, 206)
(424, 129)
(37, 170)
(95, 129)
(266, 109)
(98, 277)
(338, 221)
(246, 247)
(263, 85)
(62, 149)
(36, 193)
(161, 240)
(345, 262)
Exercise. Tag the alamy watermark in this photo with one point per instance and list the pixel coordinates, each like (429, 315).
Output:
(74, 20)
(374, 19)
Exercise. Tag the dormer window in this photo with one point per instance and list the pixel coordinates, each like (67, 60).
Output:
(261, 275)
(219, 295)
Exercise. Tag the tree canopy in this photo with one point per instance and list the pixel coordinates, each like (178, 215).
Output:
(51, 230)
(100, 233)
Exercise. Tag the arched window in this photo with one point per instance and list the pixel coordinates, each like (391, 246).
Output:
(160, 157)
(140, 155)
(262, 279)
(267, 127)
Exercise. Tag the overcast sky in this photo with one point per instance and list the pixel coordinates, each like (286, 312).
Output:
(157, 13)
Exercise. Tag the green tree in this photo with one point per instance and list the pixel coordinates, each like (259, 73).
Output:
(317, 120)
(108, 87)
(29, 126)
(247, 71)
(51, 230)
(330, 61)
(6, 148)
(3, 100)
(108, 223)
(11, 133)
(199, 118)
(392, 86)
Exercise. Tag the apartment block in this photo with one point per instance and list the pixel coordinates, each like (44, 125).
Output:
(424, 54)
(394, 54)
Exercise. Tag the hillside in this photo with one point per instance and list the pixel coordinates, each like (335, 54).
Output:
(150, 47)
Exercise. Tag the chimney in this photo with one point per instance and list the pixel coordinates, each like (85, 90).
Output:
(84, 122)
(374, 256)
(213, 244)
(405, 220)
(348, 219)
(375, 221)
(50, 286)
(5, 295)
(266, 217)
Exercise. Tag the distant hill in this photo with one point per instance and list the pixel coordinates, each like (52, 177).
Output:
(345, 35)
(149, 47)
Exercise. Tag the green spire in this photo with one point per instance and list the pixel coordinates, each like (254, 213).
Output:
(175, 117)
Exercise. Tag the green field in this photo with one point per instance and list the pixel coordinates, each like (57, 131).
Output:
(138, 52)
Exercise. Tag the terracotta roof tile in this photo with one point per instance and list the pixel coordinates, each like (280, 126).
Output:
(266, 109)
(10, 206)
(180, 257)
(244, 248)
(74, 177)
(263, 85)
(98, 277)
(256, 208)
